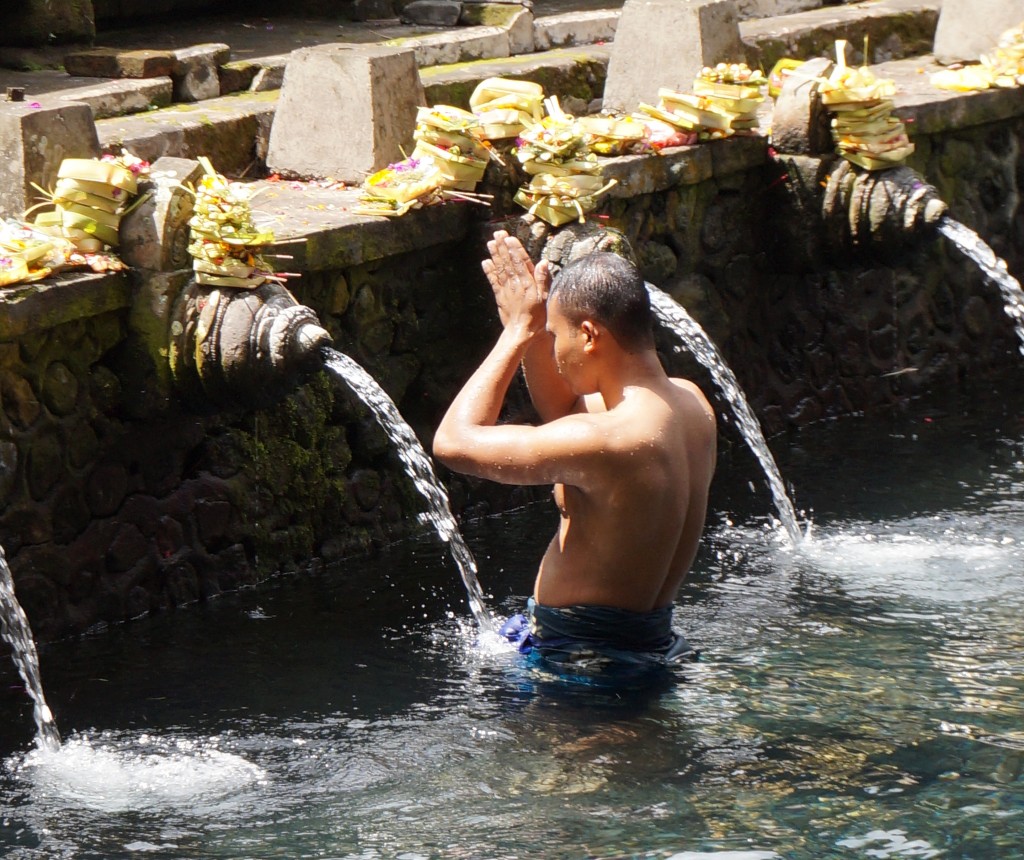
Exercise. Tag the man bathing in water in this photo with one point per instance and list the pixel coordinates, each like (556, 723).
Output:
(630, 451)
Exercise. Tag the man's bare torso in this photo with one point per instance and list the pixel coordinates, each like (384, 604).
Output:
(629, 533)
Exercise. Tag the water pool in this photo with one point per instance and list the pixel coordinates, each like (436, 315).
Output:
(860, 698)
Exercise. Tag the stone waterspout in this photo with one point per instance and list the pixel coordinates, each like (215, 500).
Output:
(236, 345)
(223, 345)
(847, 208)
(885, 209)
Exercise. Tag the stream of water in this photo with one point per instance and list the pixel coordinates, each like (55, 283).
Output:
(15, 631)
(696, 341)
(420, 469)
(994, 268)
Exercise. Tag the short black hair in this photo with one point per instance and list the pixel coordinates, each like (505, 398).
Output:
(609, 289)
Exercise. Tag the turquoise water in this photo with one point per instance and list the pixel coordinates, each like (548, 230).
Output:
(862, 697)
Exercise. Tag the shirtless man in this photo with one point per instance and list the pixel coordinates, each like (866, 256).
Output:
(630, 451)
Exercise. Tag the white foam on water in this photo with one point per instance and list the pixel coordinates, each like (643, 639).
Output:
(890, 843)
(115, 775)
(952, 566)
(725, 855)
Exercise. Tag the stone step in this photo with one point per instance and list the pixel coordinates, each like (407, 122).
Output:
(232, 131)
(895, 29)
(576, 75)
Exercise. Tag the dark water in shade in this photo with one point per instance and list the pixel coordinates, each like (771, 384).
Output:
(862, 697)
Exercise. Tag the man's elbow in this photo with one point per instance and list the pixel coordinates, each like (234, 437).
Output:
(445, 448)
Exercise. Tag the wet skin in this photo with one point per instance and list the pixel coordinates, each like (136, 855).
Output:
(630, 450)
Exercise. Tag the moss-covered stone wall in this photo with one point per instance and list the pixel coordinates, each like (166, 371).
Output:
(120, 498)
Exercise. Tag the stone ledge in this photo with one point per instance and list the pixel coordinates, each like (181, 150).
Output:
(123, 96)
(336, 238)
(118, 63)
(928, 110)
(567, 71)
(460, 46)
(896, 28)
(647, 174)
(257, 76)
(213, 128)
(575, 28)
(60, 299)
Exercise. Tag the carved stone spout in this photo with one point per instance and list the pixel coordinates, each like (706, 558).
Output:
(884, 210)
(242, 346)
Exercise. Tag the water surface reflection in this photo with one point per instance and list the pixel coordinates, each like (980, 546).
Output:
(859, 697)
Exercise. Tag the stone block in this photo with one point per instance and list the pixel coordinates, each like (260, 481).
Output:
(773, 8)
(432, 13)
(459, 46)
(344, 111)
(120, 97)
(237, 76)
(969, 28)
(520, 33)
(33, 143)
(800, 124)
(154, 235)
(637, 175)
(116, 63)
(575, 28)
(488, 14)
(665, 43)
(271, 75)
(154, 296)
(195, 73)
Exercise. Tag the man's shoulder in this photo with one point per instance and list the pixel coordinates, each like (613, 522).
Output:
(695, 397)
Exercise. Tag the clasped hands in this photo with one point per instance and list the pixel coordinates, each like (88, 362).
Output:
(520, 288)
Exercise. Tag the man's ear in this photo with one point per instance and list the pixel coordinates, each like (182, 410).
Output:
(590, 332)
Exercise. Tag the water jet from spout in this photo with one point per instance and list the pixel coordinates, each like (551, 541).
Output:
(674, 316)
(976, 249)
(15, 631)
(419, 468)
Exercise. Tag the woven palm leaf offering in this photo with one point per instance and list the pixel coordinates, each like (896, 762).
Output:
(89, 199)
(863, 127)
(733, 89)
(224, 240)
(1004, 67)
(565, 174)
(28, 254)
(555, 145)
(613, 134)
(450, 137)
(561, 199)
(399, 187)
(505, 106)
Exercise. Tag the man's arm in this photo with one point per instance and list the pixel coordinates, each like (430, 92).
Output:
(468, 439)
(551, 395)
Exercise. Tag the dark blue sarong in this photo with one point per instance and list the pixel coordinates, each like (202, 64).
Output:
(598, 640)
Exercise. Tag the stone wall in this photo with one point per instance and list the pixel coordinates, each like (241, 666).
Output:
(119, 497)
(812, 332)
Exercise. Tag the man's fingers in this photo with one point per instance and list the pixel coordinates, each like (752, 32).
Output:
(543, 276)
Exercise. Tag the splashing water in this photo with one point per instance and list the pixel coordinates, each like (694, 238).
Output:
(16, 632)
(994, 268)
(695, 339)
(112, 773)
(420, 470)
